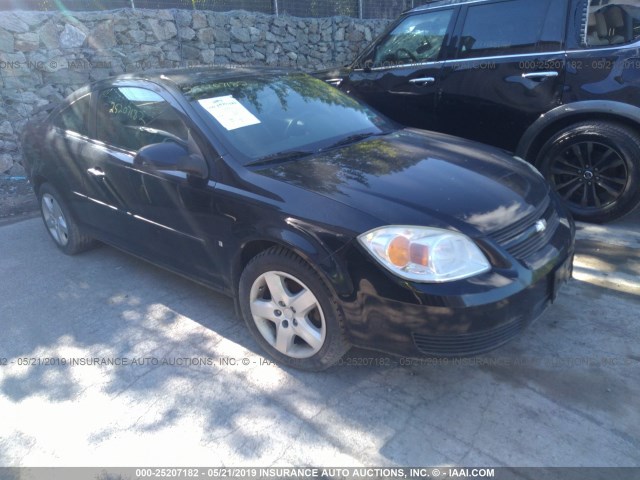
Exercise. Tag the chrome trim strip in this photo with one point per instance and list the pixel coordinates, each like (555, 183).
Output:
(72, 134)
(426, 8)
(165, 227)
(474, 59)
(115, 151)
(138, 217)
(404, 65)
(112, 207)
(622, 46)
(501, 57)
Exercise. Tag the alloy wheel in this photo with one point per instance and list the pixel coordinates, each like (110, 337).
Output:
(287, 314)
(55, 220)
(589, 175)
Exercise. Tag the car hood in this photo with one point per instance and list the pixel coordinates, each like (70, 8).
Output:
(414, 177)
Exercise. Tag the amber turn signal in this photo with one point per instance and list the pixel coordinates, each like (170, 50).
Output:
(398, 251)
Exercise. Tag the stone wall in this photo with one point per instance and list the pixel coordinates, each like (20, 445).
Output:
(45, 56)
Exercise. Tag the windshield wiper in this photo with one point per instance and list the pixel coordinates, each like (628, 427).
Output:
(288, 155)
(352, 139)
(278, 157)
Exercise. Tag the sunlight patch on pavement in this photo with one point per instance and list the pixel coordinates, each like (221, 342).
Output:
(589, 270)
(617, 235)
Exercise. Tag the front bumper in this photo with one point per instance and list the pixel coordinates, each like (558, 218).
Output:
(512, 318)
(463, 318)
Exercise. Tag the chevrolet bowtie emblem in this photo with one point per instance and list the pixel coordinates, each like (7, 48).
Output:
(541, 226)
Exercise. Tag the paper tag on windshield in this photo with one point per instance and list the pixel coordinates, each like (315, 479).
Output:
(229, 112)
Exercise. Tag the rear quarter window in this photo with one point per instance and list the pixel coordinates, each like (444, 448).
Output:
(612, 23)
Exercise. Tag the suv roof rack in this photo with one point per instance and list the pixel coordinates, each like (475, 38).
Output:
(440, 3)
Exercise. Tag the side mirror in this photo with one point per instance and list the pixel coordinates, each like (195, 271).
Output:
(171, 156)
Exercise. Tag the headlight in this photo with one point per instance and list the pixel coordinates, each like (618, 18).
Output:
(427, 255)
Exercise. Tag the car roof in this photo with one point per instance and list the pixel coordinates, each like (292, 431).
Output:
(443, 3)
(195, 75)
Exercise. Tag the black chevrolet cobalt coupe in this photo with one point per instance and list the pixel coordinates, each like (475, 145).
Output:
(330, 224)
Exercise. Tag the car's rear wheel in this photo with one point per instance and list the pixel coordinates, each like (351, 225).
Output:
(290, 312)
(61, 225)
(595, 168)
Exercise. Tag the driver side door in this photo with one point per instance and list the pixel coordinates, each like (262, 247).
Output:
(400, 76)
(165, 216)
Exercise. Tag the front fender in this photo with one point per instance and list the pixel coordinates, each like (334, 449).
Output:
(319, 249)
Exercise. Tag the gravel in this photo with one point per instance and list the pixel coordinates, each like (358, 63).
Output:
(16, 197)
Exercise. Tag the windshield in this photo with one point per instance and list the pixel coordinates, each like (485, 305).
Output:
(268, 116)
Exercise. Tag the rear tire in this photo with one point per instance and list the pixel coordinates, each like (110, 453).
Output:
(595, 168)
(290, 311)
(60, 223)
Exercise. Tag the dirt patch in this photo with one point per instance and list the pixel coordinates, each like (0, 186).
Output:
(16, 198)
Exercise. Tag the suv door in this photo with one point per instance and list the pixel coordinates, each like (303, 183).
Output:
(506, 69)
(163, 215)
(399, 75)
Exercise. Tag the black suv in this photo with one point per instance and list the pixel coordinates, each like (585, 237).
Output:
(555, 81)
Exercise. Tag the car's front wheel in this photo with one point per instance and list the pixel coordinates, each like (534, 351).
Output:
(61, 225)
(595, 167)
(290, 311)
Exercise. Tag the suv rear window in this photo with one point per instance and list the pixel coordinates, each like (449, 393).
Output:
(494, 29)
(612, 23)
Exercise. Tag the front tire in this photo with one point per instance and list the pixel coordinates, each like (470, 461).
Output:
(595, 167)
(60, 224)
(290, 311)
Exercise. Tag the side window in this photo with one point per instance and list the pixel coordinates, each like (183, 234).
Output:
(76, 116)
(612, 23)
(417, 39)
(132, 117)
(554, 30)
(503, 28)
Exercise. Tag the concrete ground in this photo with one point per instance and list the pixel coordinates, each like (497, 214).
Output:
(566, 393)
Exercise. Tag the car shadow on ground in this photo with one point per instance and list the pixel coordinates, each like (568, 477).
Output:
(572, 367)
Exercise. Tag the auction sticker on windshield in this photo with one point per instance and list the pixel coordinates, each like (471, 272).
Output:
(229, 112)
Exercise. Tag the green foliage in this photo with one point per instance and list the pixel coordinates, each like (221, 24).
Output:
(309, 88)
(355, 163)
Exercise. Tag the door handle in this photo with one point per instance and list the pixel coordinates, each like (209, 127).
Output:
(421, 82)
(101, 179)
(96, 172)
(540, 75)
(336, 82)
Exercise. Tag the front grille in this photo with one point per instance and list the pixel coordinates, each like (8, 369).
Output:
(469, 343)
(505, 234)
(521, 238)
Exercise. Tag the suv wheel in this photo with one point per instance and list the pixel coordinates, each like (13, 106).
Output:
(595, 167)
(290, 311)
(60, 224)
